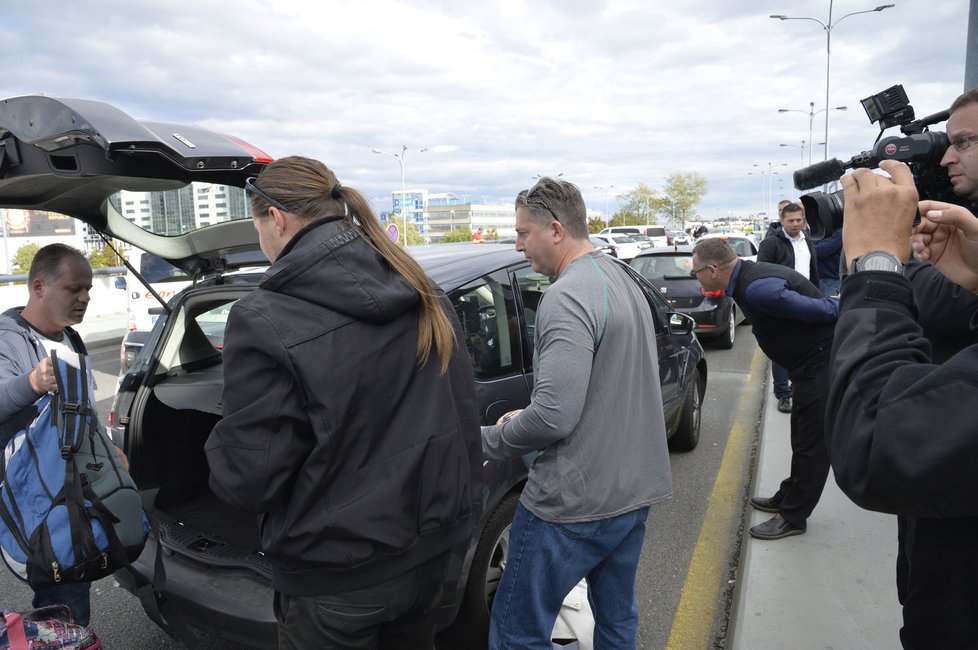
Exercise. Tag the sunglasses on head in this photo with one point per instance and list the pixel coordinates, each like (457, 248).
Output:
(251, 187)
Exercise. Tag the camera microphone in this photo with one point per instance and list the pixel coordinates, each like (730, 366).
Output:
(819, 174)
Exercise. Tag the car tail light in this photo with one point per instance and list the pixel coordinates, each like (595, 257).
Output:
(111, 417)
(711, 294)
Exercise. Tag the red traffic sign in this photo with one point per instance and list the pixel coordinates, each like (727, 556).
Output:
(393, 233)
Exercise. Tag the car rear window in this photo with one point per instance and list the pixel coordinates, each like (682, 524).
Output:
(176, 211)
(156, 269)
(659, 267)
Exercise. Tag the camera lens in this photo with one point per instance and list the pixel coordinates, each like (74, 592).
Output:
(823, 212)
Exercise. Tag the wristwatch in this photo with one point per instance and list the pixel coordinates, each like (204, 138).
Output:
(876, 261)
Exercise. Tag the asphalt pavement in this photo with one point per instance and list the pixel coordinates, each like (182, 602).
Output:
(832, 587)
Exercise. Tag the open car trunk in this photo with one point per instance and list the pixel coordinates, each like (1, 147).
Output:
(173, 414)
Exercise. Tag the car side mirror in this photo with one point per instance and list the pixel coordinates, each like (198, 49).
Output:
(120, 283)
(680, 323)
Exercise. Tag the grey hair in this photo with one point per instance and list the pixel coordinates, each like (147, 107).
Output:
(714, 250)
(551, 199)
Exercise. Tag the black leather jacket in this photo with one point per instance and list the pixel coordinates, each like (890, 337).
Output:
(362, 464)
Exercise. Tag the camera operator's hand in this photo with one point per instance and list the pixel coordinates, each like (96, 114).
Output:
(947, 237)
(879, 211)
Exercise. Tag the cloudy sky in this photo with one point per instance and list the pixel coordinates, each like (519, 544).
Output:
(613, 92)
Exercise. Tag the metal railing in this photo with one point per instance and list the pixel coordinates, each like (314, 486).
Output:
(98, 273)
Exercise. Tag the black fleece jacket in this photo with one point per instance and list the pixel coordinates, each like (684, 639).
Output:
(902, 430)
(361, 464)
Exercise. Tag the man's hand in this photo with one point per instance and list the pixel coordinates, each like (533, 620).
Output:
(506, 417)
(879, 211)
(42, 377)
(947, 237)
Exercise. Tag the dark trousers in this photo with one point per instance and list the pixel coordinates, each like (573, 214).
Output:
(780, 382)
(397, 614)
(76, 596)
(801, 491)
(937, 582)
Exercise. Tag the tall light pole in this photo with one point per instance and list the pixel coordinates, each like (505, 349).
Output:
(605, 190)
(802, 151)
(770, 173)
(828, 26)
(400, 159)
(811, 113)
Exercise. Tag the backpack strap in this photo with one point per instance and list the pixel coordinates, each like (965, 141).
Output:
(72, 399)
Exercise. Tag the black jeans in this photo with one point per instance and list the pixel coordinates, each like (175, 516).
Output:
(937, 582)
(809, 455)
(399, 613)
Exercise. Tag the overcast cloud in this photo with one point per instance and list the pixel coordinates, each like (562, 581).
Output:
(607, 93)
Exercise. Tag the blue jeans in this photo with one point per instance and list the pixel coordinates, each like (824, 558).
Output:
(829, 286)
(782, 385)
(76, 596)
(546, 560)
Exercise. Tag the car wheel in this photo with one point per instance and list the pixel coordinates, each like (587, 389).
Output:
(471, 626)
(726, 340)
(687, 434)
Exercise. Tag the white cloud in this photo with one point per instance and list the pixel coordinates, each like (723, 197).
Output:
(616, 92)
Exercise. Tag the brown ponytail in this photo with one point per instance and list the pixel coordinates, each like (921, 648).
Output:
(310, 190)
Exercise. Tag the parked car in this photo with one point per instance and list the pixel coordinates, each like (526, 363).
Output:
(715, 313)
(602, 245)
(86, 160)
(677, 238)
(643, 241)
(743, 244)
(625, 248)
(656, 234)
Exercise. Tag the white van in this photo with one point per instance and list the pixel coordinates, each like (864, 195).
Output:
(165, 279)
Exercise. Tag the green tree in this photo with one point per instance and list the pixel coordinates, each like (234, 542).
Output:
(103, 258)
(23, 257)
(458, 234)
(491, 234)
(595, 225)
(640, 206)
(414, 236)
(683, 192)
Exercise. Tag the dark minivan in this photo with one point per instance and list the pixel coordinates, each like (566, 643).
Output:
(89, 161)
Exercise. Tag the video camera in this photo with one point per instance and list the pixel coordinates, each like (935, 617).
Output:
(921, 148)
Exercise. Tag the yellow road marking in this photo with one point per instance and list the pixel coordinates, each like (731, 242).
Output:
(692, 626)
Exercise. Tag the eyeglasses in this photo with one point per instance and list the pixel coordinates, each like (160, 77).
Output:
(696, 272)
(537, 199)
(251, 187)
(964, 142)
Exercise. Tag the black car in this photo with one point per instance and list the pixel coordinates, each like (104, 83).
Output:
(134, 181)
(668, 269)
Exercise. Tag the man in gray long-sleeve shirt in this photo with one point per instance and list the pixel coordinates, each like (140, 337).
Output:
(596, 416)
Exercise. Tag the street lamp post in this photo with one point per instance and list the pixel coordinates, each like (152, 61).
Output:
(770, 173)
(802, 151)
(400, 159)
(828, 26)
(811, 113)
(605, 190)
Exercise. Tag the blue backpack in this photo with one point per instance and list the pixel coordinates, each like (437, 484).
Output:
(69, 510)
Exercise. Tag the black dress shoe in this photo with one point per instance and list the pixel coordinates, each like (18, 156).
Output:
(775, 528)
(784, 404)
(766, 504)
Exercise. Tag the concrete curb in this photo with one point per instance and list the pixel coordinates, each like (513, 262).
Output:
(833, 587)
